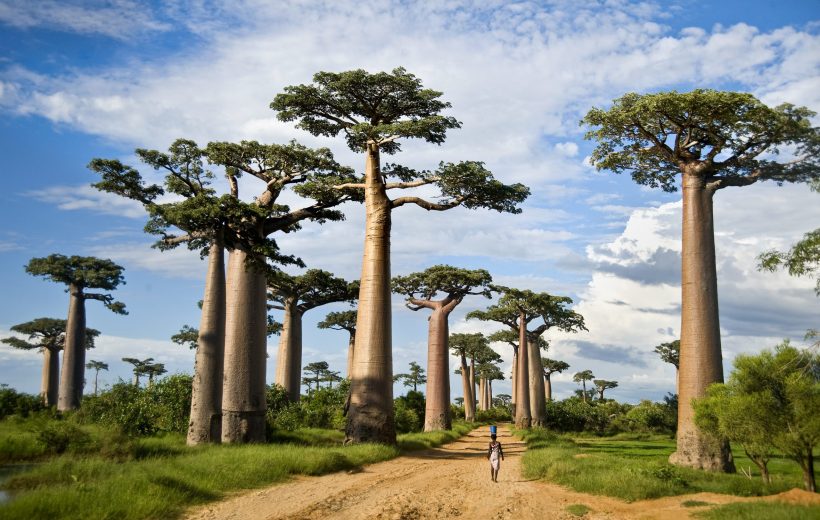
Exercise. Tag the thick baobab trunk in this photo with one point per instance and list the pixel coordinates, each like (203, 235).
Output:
(482, 394)
(701, 363)
(469, 399)
(51, 376)
(243, 391)
(350, 347)
(547, 389)
(538, 407)
(523, 417)
(206, 392)
(514, 378)
(73, 372)
(473, 388)
(437, 408)
(289, 359)
(370, 416)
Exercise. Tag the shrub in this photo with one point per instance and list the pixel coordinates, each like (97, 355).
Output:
(407, 420)
(17, 403)
(496, 414)
(58, 436)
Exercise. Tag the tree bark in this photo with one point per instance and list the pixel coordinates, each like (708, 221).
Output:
(289, 359)
(490, 393)
(536, 385)
(469, 399)
(547, 388)
(350, 347)
(514, 378)
(51, 376)
(523, 417)
(437, 408)
(73, 372)
(701, 363)
(370, 416)
(808, 471)
(243, 391)
(206, 392)
(482, 394)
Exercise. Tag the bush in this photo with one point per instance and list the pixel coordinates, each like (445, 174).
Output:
(647, 417)
(16, 403)
(322, 408)
(58, 436)
(496, 414)
(164, 407)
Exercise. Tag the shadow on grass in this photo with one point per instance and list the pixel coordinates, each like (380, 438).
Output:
(189, 491)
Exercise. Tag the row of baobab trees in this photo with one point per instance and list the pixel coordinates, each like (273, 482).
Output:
(712, 139)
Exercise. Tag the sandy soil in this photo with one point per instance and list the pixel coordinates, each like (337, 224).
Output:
(452, 481)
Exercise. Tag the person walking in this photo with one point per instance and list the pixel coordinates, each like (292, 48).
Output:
(495, 455)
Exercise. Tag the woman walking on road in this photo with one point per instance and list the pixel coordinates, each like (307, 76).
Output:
(495, 455)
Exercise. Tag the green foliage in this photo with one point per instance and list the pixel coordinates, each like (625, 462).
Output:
(552, 310)
(312, 289)
(414, 378)
(648, 416)
(454, 282)
(409, 412)
(577, 509)
(803, 259)
(670, 352)
(366, 107)
(81, 271)
(426, 440)
(13, 402)
(59, 436)
(322, 408)
(495, 414)
(164, 406)
(652, 135)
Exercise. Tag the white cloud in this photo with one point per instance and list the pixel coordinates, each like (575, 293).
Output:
(89, 199)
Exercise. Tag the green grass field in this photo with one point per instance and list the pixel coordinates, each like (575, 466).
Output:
(160, 477)
(634, 467)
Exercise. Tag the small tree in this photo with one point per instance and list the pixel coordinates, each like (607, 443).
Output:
(414, 378)
(315, 371)
(582, 377)
(48, 336)
(713, 140)
(78, 273)
(420, 289)
(345, 320)
(96, 366)
(551, 366)
(602, 385)
(375, 111)
(153, 370)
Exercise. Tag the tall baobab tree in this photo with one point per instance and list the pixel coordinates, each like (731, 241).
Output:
(311, 173)
(582, 377)
(295, 295)
(140, 367)
(487, 372)
(79, 273)
(420, 288)
(511, 337)
(414, 377)
(713, 140)
(464, 345)
(516, 309)
(344, 320)
(670, 353)
(48, 336)
(204, 219)
(96, 366)
(374, 112)
(601, 385)
(551, 366)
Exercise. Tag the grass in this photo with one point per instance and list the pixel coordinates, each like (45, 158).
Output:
(695, 503)
(160, 477)
(578, 509)
(636, 468)
(761, 511)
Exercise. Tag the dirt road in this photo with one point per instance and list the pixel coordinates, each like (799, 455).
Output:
(452, 481)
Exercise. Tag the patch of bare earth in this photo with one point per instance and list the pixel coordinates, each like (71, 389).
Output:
(452, 481)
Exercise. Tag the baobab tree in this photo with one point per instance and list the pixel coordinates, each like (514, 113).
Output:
(550, 367)
(311, 173)
(96, 366)
(582, 377)
(486, 373)
(464, 345)
(670, 353)
(375, 111)
(140, 367)
(344, 320)
(420, 288)
(295, 295)
(516, 309)
(204, 219)
(153, 370)
(713, 140)
(511, 337)
(315, 372)
(414, 378)
(601, 385)
(79, 273)
(48, 336)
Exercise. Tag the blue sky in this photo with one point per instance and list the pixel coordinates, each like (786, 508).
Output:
(80, 80)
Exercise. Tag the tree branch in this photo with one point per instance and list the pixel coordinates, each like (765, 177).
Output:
(429, 206)
(411, 184)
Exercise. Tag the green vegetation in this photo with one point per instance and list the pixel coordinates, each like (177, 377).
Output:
(758, 510)
(635, 467)
(111, 475)
(578, 509)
